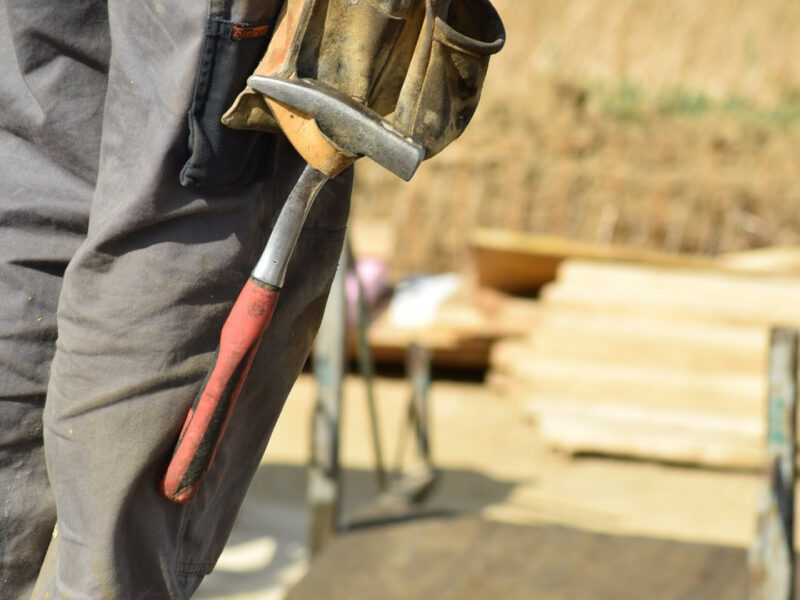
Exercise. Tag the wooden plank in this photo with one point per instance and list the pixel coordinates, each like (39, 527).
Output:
(729, 393)
(774, 259)
(682, 436)
(713, 285)
(694, 295)
(519, 262)
(462, 332)
(636, 349)
(686, 307)
(465, 353)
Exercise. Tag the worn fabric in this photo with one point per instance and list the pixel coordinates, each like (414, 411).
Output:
(115, 280)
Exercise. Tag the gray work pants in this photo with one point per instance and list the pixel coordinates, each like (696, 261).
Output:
(115, 280)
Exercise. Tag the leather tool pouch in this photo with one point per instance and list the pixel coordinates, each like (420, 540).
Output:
(444, 82)
(420, 63)
(364, 49)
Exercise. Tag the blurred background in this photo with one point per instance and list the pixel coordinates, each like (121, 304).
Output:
(591, 273)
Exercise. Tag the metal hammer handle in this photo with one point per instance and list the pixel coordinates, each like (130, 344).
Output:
(241, 335)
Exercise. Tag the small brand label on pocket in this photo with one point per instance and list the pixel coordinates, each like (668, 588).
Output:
(248, 32)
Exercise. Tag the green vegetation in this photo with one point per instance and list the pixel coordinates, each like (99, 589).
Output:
(682, 102)
(629, 102)
(783, 115)
(626, 101)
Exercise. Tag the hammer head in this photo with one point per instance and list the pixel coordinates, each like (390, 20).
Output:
(350, 125)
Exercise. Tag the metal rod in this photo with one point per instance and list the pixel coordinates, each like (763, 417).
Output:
(419, 367)
(365, 366)
(325, 487)
(417, 419)
(772, 566)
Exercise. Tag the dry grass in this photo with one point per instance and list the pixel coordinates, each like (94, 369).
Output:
(671, 125)
(719, 47)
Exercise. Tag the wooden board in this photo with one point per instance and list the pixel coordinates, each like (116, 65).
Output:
(521, 263)
(462, 333)
(739, 394)
(470, 559)
(658, 433)
(585, 346)
(776, 259)
(696, 295)
(459, 354)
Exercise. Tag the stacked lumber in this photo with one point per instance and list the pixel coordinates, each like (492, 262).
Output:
(657, 362)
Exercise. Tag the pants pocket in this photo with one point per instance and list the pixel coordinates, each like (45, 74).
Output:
(219, 155)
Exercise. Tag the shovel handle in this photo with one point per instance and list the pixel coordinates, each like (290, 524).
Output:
(205, 423)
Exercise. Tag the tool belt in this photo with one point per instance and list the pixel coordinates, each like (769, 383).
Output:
(419, 63)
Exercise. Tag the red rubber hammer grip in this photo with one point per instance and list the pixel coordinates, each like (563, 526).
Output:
(206, 421)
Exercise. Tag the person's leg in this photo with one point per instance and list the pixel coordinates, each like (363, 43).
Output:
(140, 313)
(52, 89)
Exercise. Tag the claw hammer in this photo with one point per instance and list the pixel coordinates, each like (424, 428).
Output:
(330, 130)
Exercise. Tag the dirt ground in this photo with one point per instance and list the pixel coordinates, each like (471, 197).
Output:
(493, 466)
(470, 558)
